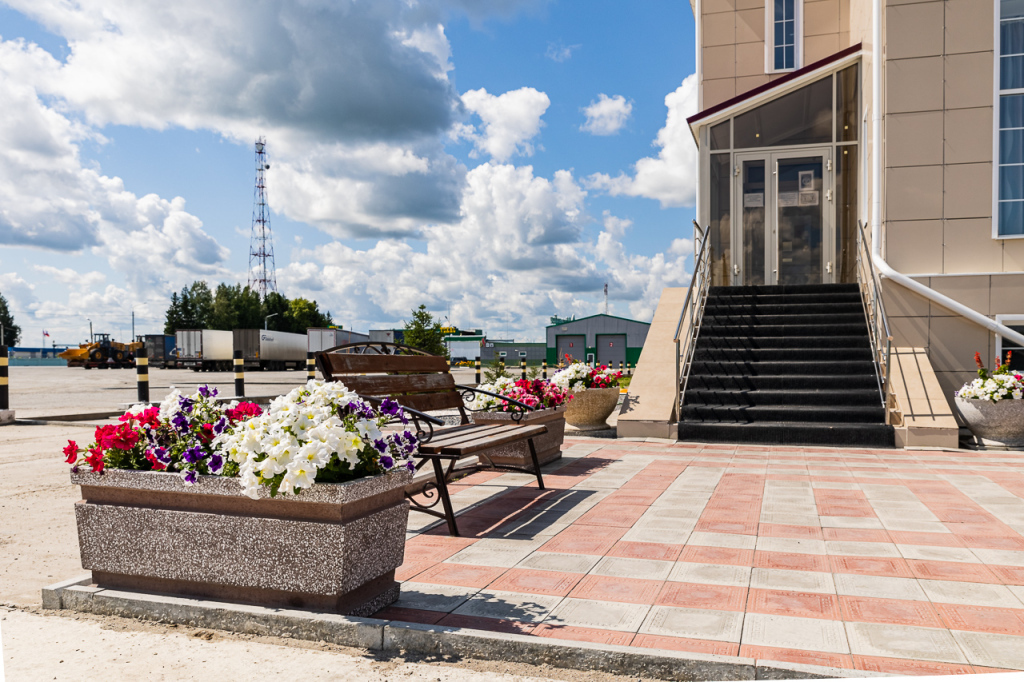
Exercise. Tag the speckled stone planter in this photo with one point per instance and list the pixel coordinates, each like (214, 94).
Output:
(589, 410)
(999, 423)
(549, 445)
(333, 547)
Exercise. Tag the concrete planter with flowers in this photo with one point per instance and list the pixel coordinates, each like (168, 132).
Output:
(595, 393)
(993, 404)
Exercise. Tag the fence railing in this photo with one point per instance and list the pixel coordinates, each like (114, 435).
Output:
(878, 322)
(693, 310)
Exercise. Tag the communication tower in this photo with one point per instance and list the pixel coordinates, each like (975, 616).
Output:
(262, 273)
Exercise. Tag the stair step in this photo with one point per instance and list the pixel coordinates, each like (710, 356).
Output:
(782, 342)
(715, 307)
(818, 396)
(856, 318)
(786, 289)
(790, 433)
(781, 354)
(821, 329)
(785, 382)
(842, 414)
(818, 367)
(792, 299)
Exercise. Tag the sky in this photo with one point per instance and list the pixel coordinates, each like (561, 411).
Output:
(498, 161)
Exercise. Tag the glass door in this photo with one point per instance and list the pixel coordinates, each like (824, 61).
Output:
(785, 233)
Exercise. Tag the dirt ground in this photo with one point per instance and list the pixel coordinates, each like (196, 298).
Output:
(39, 546)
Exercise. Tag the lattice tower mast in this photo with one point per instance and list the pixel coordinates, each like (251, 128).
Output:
(262, 272)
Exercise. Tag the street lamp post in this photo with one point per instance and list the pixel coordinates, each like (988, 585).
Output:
(266, 320)
(90, 329)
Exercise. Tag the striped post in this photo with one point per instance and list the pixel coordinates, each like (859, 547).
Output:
(477, 364)
(522, 368)
(310, 365)
(620, 366)
(239, 375)
(142, 373)
(5, 403)
(629, 370)
(544, 365)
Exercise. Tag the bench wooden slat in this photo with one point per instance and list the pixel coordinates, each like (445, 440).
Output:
(426, 402)
(344, 363)
(505, 436)
(446, 437)
(395, 384)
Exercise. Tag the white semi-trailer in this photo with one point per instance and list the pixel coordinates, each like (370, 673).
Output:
(324, 338)
(204, 349)
(265, 349)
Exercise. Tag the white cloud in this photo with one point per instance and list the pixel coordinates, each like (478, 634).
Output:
(69, 276)
(510, 121)
(607, 115)
(558, 52)
(671, 177)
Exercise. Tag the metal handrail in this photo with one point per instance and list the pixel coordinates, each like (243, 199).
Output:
(878, 321)
(696, 296)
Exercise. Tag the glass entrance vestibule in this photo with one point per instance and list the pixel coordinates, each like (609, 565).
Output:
(780, 186)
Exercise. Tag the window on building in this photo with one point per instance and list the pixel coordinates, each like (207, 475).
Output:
(1010, 180)
(783, 33)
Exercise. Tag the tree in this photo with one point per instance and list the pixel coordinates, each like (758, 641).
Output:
(424, 333)
(303, 314)
(12, 332)
(225, 307)
(277, 305)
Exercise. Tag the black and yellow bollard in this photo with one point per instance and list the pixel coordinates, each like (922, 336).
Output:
(544, 370)
(5, 401)
(310, 366)
(522, 369)
(142, 373)
(629, 370)
(477, 365)
(239, 375)
(620, 366)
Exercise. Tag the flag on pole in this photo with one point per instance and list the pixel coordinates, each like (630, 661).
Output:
(46, 333)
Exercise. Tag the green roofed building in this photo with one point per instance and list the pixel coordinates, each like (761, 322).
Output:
(598, 339)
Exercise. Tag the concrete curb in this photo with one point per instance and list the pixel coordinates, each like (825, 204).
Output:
(430, 640)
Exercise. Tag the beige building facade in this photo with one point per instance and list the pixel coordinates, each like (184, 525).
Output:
(789, 181)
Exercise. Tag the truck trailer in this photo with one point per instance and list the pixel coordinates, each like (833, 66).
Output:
(207, 350)
(161, 350)
(325, 338)
(264, 349)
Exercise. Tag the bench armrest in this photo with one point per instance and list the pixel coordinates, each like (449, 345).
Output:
(516, 414)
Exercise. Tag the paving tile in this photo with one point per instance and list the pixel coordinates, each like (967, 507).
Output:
(639, 533)
(588, 613)
(895, 611)
(421, 596)
(495, 552)
(410, 569)
(508, 605)
(915, 526)
(410, 615)
(703, 596)
(895, 568)
(1005, 621)
(903, 641)
(535, 582)
(879, 587)
(992, 650)
(793, 603)
(434, 548)
(512, 627)
(793, 562)
(554, 561)
(931, 553)
(736, 541)
(992, 542)
(583, 540)
(717, 555)
(849, 522)
(578, 634)
(771, 653)
(778, 530)
(700, 646)
(902, 666)
(790, 632)
(645, 550)
(710, 574)
(800, 581)
(613, 515)
(952, 570)
(744, 528)
(710, 624)
(791, 519)
(646, 569)
(1001, 557)
(872, 549)
(462, 575)
(630, 590)
(970, 594)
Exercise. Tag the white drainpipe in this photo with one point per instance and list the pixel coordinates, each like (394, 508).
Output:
(884, 268)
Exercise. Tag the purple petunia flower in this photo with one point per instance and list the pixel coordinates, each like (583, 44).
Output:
(389, 407)
(186, 403)
(216, 464)
(162, 456)
(380, 446)
(191, 477)
(204, 391)
(193, 454)
(410, 465)
(387, 461)
(221, 424)
(180, 422)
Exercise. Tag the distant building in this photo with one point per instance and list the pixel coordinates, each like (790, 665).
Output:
(598, 339)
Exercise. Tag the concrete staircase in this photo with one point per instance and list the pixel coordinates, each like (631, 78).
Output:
(784, 365)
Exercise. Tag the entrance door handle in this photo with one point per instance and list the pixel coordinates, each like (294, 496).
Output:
(735, 269)
(828, 268)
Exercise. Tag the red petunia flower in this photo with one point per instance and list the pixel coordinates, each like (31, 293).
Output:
(71, 452)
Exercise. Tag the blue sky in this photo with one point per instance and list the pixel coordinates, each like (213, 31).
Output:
(432, 152)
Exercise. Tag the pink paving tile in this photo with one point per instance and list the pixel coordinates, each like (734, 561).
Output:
(1009, 575)
(454, 620)
(701, 596)
(903, 537)
(480, 477)
(411, 568)
(628, 590)
(614, 515)
(792, 562)
(645, 550)
(410, 615)
(790, 603)
(434, 548)
(879, 566)
(736, 527)
(583, 540)
(897, 611)
(776, 530)
(952, 570)
(982, 618)
(530, 581)
(982, 529)
(470, 525)
(771, 653)
(640, 497)
(697, 646)
(993, 542)
(462, 575)
(578, 634)
(856, 511)
(857, 535)
(902, 666)
(717, 555)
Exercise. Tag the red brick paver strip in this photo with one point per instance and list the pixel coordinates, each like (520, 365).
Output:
(902, 562)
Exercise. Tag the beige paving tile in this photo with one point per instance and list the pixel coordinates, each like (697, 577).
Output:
(528, 608)
(496, 552)
(849, 522)
(661, 535)
(992, 650)
(879, 587)
(795, 633)
(903, 641)
(598, 614)
(844, 548)
(710, 574)
(723, 626)
(723, 540)
(432, 597)
(621, 567)
(554, 561)
(798, 581)
(916, 526)
(928, 553)
(1000, 557)
(971, 594)
(790, 545)
(786, 519)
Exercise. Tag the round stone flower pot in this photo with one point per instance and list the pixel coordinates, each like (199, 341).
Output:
(995, 423)
(333, 547)
(589, 410)
(549, 445)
